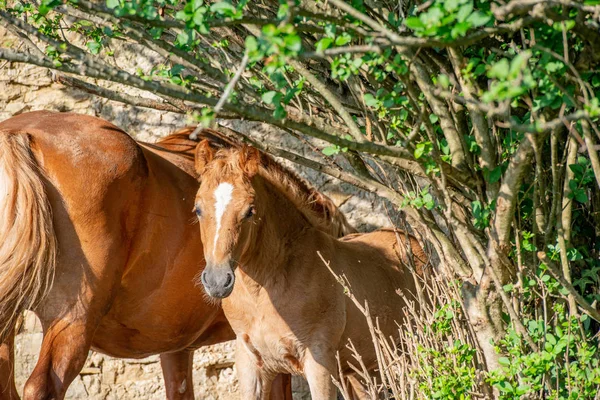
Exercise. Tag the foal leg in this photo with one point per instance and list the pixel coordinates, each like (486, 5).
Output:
(254, 382)
(8, 390)
(177, 371)
(319, 368)
(357, 388)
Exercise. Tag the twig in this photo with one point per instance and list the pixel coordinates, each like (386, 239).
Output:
(226, 93)
(331, 98)
(591, 311)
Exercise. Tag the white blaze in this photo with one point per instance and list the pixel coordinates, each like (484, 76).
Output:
(222, 199)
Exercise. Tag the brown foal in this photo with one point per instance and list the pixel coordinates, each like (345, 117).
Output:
(96, 236)
(262, 251)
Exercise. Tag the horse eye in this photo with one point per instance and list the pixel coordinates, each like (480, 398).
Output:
(251, 211)
(198, 211)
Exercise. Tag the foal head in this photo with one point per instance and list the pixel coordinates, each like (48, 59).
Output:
(225, 208)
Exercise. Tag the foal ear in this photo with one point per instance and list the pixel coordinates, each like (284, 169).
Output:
(204, 154)
(250, 160)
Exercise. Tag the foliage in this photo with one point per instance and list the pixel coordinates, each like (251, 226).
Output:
(477, 119)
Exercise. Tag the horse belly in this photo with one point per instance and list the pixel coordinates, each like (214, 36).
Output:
(153, 330)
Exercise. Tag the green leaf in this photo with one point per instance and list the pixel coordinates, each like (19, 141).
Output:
(478, 19)
(199, 15)
(370, 100)
(505, 361)
(331, 150)
(460, 29)
(581, 196)
(505, 386)
(554, 66)
(251, 44)
(451, 5)
(177, 69)
(518, 63)
(112, 3)
(48, 5)
(223, 7)
(293, 43)
(94, 47)
(323, 44)
(414, 23)
(569, 24)
(183, 37)
(269, 30)
(280, 113)
(343, 39)
(421, 149)
(499, 70)
(270, 97)
(444, 81)
(522, 389)
(495, 175)
(464, 11)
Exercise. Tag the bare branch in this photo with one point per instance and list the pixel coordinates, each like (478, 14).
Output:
(591, 148)
(507, 197)
(121, 97)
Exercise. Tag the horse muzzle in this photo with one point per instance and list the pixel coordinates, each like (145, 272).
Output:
(218, 280)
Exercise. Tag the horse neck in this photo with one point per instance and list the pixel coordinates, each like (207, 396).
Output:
(280, 226)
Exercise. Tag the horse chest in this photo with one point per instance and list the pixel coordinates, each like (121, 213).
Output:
(274, 352)
(267, 337)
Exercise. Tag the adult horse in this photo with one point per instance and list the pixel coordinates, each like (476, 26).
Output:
(96, 237)
(266, 260)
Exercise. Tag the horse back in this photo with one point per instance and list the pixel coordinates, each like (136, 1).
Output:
(83, 156)
(402, 248)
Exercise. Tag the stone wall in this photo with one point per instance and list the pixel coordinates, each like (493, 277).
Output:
(26, 88)
(109, 378)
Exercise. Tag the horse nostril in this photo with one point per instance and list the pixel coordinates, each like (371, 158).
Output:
(229, 280)
(203, 278)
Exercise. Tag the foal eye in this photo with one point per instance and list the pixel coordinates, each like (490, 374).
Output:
(198, 211)
(251, 211)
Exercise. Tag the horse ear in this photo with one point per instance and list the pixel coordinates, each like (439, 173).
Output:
(204, 154)
(250, 160)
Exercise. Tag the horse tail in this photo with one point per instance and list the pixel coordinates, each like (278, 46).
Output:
(28, 245)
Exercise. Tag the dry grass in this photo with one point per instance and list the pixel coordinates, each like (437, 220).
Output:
(433, 355)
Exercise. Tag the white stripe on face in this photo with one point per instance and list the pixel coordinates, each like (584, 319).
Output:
(222, 199)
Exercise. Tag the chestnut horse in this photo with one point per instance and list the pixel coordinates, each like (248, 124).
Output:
(96, 237)
(263, 258)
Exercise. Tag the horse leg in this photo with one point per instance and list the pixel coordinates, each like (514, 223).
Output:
(221, 331)
(64, 350)
(254, 382)
(358, 391)
(281, 388)
(177, 372)
(8, 390)
(319, 368)
(81, 295)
